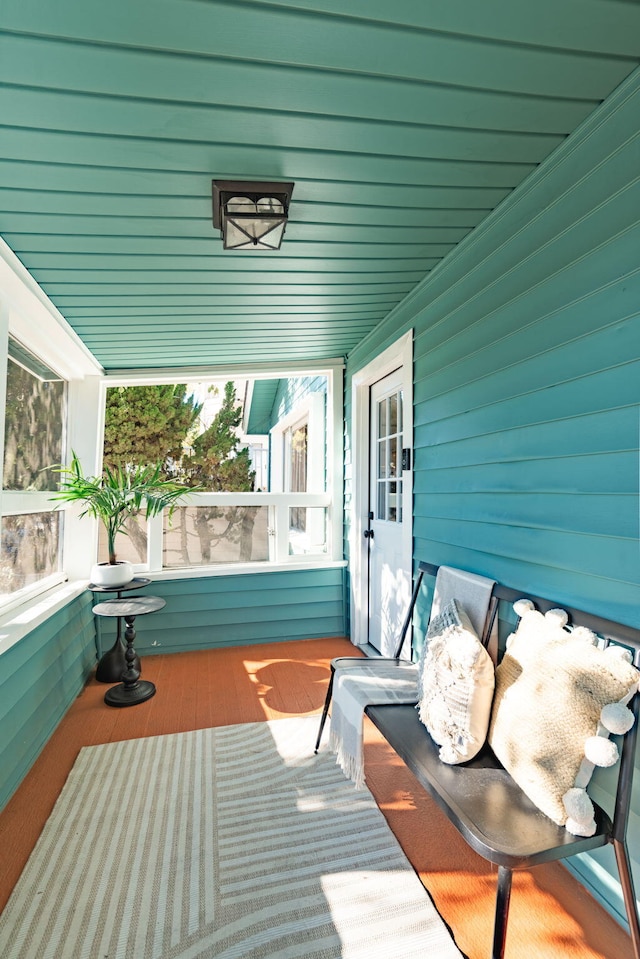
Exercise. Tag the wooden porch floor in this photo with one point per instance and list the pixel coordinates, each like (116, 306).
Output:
(551, 914)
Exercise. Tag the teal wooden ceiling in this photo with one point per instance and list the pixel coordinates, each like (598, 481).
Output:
(402, 124)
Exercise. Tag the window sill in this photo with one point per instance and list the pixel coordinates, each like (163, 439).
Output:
(241, 569)
(17, 622)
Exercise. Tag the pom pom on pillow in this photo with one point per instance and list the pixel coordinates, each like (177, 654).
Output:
(616, 718)
(579, 809)
(581, 632)
(558, 696)
(600, 751)
(522, 606)
(557, 617)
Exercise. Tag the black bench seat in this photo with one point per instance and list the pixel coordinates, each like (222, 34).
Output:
(493, 814)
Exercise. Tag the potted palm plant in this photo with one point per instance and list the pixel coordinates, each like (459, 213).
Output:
(113, 498)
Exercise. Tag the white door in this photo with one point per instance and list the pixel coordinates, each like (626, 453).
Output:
(389, 581)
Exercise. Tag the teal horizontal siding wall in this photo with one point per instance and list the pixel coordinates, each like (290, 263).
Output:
(292, 391)
(217, 611)
(527, 392)
(40, 676)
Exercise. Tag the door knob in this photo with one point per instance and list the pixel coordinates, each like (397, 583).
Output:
(368, 534)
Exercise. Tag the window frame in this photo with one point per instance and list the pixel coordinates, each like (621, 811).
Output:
(330, 491)
(309, 412)
(27, 502)
(28, 316)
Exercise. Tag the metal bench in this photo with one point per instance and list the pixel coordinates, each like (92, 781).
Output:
(493, 814)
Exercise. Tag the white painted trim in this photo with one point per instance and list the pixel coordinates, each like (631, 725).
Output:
(16, 502)
(256, 499)
(155, 541)
(86, 424)
(398, 354)
(294, 564)
(35, 321)
(246, 406)
(16, 623)
(256, 371)
(335, 465)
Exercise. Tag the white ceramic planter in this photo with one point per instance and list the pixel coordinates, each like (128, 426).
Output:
(108, 576)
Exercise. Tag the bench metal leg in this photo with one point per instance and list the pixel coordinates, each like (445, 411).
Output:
(502, 911)
(628, 892)
(325, 708)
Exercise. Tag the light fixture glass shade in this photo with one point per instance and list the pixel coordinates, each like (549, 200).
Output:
(251, 216)
(253, 224)
(262, 207)
(247, 234)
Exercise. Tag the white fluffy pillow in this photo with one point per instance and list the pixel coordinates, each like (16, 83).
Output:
(558, 696)
(456, 686)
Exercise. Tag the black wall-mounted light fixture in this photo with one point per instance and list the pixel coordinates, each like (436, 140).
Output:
(251, 215)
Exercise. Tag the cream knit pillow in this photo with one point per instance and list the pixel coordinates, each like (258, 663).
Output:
(558, 696)
(456, 686)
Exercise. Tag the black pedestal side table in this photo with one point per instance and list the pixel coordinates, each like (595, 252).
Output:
(132, 689)
(111, 664)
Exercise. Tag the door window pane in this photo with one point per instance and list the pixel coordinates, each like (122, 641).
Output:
(393, 413)
(382, 418)
(382, 459)
(382, 500)
(389, 473)
(393, 498)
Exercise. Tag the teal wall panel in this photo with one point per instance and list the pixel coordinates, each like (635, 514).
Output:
(292, 391)
(527, 393)
(217, 611)
(40, 677)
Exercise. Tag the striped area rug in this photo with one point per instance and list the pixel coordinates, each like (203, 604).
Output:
(234, 843)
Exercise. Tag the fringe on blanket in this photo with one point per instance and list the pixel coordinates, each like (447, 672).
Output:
(352, 766)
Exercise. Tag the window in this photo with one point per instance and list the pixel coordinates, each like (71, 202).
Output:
(207, 436)
(296, 471)
(192, 430)
(299, 457)
(235, 522)
(389, 458)
(34, 434)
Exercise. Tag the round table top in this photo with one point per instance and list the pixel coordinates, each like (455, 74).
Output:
(136, 583)
(135, 606)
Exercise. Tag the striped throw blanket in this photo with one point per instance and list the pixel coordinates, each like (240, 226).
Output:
(371, 682)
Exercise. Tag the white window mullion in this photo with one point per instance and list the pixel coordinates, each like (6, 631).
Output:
(282, 532)
(84, 433)
(154, 542)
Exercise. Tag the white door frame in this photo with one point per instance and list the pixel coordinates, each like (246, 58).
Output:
(398, 354)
